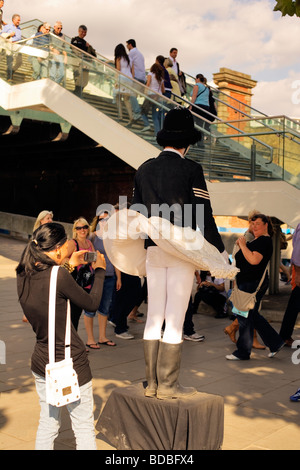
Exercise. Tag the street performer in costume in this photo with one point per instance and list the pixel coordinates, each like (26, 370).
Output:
(174, 181)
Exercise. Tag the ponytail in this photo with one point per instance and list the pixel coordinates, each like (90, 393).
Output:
(45, 239)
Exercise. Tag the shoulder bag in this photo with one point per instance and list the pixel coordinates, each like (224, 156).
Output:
(62, 386)
(85, 274)
(244, 301)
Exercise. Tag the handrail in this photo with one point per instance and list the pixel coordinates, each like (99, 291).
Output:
(218, 91)
(164, 102)
(243, 134)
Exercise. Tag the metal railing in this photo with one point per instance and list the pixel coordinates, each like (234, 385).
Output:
(129, 103)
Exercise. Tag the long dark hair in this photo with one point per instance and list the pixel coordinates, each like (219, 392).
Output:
(120, 52)
(158, 72)
(45, 239)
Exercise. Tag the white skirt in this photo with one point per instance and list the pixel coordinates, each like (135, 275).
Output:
(124, 237)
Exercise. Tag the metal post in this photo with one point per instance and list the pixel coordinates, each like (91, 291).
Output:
(253, 161)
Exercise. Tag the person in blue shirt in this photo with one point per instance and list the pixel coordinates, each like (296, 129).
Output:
(41, 40)
(12, 33)
(200, 98)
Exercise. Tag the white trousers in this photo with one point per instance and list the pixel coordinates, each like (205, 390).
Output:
(170, 282)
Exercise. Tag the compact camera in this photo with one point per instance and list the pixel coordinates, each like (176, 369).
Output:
(90, 256)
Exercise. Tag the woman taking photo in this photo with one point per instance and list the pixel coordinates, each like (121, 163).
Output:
(252, 260)
(49, 247)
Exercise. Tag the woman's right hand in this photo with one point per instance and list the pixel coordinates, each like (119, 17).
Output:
(100, 263)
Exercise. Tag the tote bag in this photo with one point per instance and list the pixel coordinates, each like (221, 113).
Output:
(62, 386)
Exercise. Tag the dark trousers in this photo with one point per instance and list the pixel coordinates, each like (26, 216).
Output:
(125, 299)
(188, 326)
(213, 298)
(291, 313)
(257, 322)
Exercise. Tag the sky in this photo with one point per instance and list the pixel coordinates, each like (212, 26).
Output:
(242, 35)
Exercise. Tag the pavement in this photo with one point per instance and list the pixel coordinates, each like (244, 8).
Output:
(258, 412)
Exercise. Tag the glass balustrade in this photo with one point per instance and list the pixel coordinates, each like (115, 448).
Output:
(241, 149)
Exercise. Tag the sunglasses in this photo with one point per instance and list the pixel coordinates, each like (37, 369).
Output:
(84, 227)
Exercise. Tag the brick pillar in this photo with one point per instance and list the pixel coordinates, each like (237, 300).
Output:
(239, 86)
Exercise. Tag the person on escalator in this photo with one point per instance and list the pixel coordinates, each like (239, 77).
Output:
(81, 73)
(200, 98)
(12, 32)
(2, 23)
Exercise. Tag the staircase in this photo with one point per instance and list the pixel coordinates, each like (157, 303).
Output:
(224, 159)
(219, 162)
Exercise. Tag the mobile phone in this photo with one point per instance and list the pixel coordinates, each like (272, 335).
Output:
(90, 256)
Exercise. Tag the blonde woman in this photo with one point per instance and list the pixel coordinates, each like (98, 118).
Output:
(44, 217)
(80, 241)
(112, 282)
(174, 79)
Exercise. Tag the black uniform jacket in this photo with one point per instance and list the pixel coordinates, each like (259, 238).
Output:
(172, 181)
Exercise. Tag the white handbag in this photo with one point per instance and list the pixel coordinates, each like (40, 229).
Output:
(62, 386)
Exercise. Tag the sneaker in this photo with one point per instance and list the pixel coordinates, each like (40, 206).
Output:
(111, 323)
(296, 396)
(125, 335)
(145, 129)
(194, 337)
(232, 357)
(272, 354)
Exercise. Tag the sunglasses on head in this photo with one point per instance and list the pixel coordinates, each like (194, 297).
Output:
(84, 227)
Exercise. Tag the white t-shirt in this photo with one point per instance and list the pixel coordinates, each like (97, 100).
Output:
(155, 85)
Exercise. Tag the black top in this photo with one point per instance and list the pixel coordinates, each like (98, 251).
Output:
(249, 272)
(34, 301)
(174, 181)
(80, 43)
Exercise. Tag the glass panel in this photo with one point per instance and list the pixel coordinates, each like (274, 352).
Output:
(241, 149)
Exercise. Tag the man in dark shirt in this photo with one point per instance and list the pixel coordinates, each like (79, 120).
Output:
(81, 73)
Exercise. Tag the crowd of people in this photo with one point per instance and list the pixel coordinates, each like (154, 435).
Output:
(164, 78)
(90, 282)
(98, 287)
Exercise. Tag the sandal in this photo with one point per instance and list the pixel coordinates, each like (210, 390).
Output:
(107, 343)
(91, 346)
(135, 319)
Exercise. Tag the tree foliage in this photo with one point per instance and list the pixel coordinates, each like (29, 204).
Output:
(288, 7)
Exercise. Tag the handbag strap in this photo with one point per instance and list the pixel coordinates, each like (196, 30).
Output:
(262, 279)
(51, 319)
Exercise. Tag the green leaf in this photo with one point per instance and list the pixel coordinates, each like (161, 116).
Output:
(287, 7)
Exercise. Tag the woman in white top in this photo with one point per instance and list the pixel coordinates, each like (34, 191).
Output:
(155, 81)
(124, 65)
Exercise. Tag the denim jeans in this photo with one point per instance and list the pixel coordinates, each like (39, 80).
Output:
(57, 69)
(81, 414)
(109, 287)
(257, 322)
